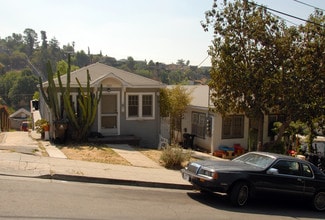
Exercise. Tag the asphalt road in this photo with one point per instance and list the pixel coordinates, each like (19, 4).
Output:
(28, 198)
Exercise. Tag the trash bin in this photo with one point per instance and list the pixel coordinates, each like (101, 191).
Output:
(188, 140)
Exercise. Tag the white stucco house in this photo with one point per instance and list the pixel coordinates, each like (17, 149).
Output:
(211, 130)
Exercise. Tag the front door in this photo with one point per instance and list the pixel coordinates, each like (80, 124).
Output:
(109, 119)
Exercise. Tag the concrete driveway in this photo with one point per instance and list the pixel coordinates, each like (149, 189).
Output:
(20, 142)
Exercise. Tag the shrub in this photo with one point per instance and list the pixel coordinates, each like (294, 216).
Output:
(39, 125)
(173, 156)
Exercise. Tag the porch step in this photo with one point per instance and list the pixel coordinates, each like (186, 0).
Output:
(116, 139)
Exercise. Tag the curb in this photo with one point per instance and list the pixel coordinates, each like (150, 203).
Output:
(98, 180)
(87, 179)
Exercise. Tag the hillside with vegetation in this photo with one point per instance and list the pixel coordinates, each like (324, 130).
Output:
(23, 59)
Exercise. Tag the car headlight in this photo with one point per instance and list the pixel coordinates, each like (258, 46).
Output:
(209, 173)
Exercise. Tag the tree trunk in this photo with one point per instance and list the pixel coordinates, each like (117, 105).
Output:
(260, 132)
(282, 129)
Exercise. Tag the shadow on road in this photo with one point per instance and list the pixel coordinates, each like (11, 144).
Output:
(284, 207)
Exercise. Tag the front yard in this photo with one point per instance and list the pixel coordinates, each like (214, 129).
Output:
(104, 154)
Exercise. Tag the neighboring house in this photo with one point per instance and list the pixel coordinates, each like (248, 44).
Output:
(211, 130)
(129, 104)
(18, 117)
(4, 119)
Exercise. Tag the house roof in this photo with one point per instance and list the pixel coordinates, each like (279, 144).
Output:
(99, 72)
(199, 94)
(19, 112)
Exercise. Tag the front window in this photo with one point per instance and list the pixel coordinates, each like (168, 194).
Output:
(198, 124)
(133, 106)
(140, 106)
(233, 127)
(147, 105)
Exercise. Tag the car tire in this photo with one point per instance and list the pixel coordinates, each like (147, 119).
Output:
(239, 194)
(319, 201)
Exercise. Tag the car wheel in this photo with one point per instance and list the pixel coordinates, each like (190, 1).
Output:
(239, 194)
(319, 201)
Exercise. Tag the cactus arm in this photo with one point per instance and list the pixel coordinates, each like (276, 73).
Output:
(51, 96)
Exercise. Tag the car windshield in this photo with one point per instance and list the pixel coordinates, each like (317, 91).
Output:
(258, 160)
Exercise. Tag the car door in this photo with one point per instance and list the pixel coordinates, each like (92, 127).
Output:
(285, 178)
(308, 178)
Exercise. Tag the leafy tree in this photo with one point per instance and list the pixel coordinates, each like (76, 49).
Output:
(62, 67)
(5, 62)
(30, 39)
(301, 88)
(36, 95)
(131, 64)
(173, 103)
(44, 56)
(7, 81)
(181, 62)
(14, 42)
(261, 66)
(111, 61)
(245, 65)
(44, 40)
(23, 89)
(18, 60)
(54, 49)
(82, 59)
(310, 71)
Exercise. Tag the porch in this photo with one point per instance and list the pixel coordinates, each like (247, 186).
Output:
(116, 139)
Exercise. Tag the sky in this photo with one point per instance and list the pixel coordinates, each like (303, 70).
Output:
(160, 30)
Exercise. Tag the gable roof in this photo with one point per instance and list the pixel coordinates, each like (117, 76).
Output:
(99, 72)
(19, 112)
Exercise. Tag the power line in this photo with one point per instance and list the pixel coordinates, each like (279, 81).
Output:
(203, 61)
(286, 14)
(288, 21)
(317, 8)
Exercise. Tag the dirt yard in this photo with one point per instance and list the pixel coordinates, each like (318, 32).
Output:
(104, 154)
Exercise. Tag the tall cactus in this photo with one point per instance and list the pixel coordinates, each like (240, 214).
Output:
(51, 94)
(87, 101)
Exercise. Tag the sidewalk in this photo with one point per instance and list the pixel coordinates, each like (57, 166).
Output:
(143, 172)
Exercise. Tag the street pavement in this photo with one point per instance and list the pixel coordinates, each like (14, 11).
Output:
(21, 155)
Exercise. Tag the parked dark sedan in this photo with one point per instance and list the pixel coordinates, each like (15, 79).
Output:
(259, 173)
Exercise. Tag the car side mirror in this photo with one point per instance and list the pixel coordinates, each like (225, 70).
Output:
(272, 171)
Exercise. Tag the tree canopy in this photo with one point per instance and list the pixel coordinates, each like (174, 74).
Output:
(261, 66)
(173, 104)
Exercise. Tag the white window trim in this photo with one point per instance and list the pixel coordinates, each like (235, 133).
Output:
(140, 95)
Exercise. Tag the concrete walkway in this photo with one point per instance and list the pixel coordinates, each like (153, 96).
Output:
(134, 157)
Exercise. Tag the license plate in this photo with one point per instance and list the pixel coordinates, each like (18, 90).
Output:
(186, 177)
